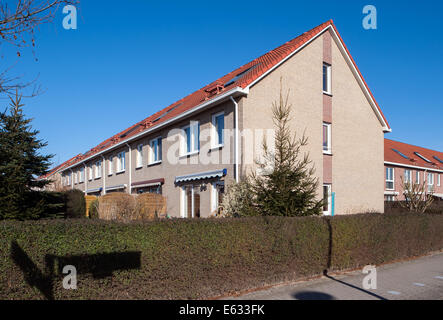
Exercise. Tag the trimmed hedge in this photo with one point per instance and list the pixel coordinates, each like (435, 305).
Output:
(188, 259)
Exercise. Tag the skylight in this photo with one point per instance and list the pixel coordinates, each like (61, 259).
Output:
(418, 154)
(240, 75)
(164, 114)
(438, 159)
(402, 154)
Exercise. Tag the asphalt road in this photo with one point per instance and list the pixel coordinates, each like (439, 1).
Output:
(420, 279)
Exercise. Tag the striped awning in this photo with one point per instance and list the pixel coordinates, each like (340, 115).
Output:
(117, 187)
(148, 183)
(201, 175)
(94, 190)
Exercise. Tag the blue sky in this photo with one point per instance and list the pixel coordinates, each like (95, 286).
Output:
(128, 59)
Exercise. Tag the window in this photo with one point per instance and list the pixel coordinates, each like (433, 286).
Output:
(326, 137)
(191, 138)
(326, 78)
(400, 153)
(438, 159)
(121, 162)
(418, 154)
(438, 180)
(82, 175)
(190, 201)
(98, 169)
(417, 177)
(218, 125)
(156, 150)
(389, 198)
(430, 182)
(90, 172)
(408, 176)
(390, 178)
(110, 166)
(75, 178)
(218, 190)
(139, 158)
(326, 199)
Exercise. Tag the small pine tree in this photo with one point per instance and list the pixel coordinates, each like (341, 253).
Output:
(20, 163)
(285, 185)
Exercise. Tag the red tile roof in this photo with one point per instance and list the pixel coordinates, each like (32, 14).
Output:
(59, 167)
(413, 159)
(252, 71)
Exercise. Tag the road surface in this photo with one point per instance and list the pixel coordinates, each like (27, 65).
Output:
(420, 279)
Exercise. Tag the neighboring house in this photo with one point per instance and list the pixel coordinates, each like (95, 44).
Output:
(405, 162)
(55, 176)
(190, 150)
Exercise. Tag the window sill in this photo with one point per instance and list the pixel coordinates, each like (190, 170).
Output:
(139, 167)
(110, 174)
(97, 178)
(187, 155)
(328, 153)
(120, 172)
(154, 163)
(327, 93)
(216, 148)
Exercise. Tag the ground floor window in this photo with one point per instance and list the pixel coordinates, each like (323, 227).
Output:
(190, 201)
(217, 194)
(327, 199)
(389, 198)
(151, 189)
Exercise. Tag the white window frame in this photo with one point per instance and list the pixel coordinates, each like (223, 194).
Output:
(121, 162)
(139, 156)
(417, 177)
(194, 128)
(393, 178)
(215, 138)
(328, 76)
(110, 165)
(152, 159)
(75, 178)
(214, 197)
(408, 176)
(329, 211)
(438, 180)
(430, 181)
(98, 169)
(90, 172)
(184, 202)
(81, 178)
(329, 144)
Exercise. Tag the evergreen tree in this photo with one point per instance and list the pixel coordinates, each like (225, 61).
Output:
(20, 164)
(285, 184)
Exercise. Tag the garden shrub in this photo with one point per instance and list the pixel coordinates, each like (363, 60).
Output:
(93, 209)
(75, 204)
(201, 258)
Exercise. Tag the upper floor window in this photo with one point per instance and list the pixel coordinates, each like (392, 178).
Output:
(218, 125)
(326, 78)
(121, 165)
(139, 158)
(408, 176)
(326, 137)
(438, 180)
(82, 175)
(417, 177)
(90, 172)
(390, 178)
(76, 178)
(155, 150)
(110, 165)
(98, 169)
(191, 138)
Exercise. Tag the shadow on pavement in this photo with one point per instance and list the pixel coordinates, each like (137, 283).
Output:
(312, 295)
(355, 287)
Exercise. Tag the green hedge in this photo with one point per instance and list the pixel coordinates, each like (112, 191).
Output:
(182, 259)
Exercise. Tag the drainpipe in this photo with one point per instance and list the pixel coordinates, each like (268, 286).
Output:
(86, 179)
(235, 137)
(104, 174)
(130, 168)
(72, 179)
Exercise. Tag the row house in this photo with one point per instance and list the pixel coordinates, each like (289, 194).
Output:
(191, 150)
(411, 164)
